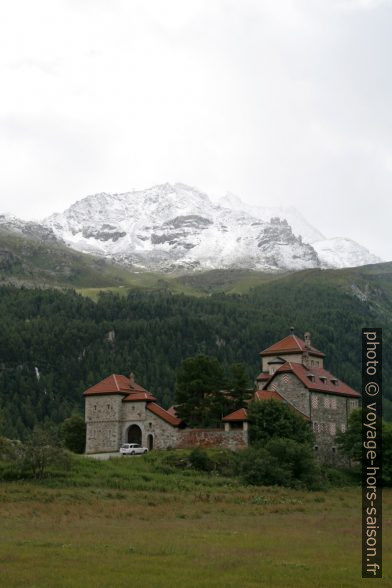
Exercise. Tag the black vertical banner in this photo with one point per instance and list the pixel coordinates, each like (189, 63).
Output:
(371, 453)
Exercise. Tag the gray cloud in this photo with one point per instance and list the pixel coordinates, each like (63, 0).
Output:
(281, 102)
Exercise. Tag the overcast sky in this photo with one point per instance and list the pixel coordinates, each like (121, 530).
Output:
(278, 101)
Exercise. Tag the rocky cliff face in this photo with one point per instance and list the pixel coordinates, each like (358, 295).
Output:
(179, 228)
(27, 228)
(173, 228)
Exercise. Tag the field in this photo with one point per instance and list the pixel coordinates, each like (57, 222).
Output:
(139, 522)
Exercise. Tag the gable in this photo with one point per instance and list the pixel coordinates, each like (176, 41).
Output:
(315, 379)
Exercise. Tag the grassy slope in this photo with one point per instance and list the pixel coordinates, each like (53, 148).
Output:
(124, 523)
(31, 262)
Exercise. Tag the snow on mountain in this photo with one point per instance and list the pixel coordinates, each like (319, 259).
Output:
(176, 227)
(26, 228)
(340, 252)
(299, 224)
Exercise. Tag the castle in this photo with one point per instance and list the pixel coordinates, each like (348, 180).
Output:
(118, 410)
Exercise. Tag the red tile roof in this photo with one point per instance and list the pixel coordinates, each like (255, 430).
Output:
(163, 414)
(290, 344)
(113, 384)
(318, 385)
(267, 395)
(173, 410)
(118, 384)
(238, 415)
(274, 395)
(132, 392)
(137, 396)
(263, 376)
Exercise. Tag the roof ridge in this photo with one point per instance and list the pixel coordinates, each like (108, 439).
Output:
(161, 407)
(297, 342)
(115, 381)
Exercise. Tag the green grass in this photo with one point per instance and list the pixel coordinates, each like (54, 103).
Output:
(32, 262)
(139, 522)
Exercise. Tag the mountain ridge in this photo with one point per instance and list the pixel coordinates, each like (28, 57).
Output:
(179, 228)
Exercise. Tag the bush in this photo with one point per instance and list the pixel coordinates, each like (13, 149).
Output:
(282, 462)
(260, 468)
(73, 433)
(40, 451)
(340, 477)
(199, 460)
(273, 419)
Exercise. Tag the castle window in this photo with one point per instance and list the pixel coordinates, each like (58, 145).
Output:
(333, 449)
(150, 425)
(311, 377)
(326, 402)
(334, 381)
(333, 403)
(332, 428)
(108, 405)
(343, 427)
(95, 407)
(316, 427)
(323, 379)
(315, 447)
(236, 425)
(314, 401)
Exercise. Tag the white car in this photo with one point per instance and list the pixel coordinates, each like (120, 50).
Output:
(132, 449)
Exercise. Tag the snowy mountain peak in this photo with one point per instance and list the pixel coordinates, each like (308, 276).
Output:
(26, 228)
(177, 227)
(341, 252)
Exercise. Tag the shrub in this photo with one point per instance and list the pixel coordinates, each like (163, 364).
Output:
(40, 451)
(282, 462)
(260, 468)
(73, 433)
(273, 419)
(199, 460)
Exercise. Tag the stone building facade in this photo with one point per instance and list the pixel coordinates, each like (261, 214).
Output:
(118, 410)
(294, 370)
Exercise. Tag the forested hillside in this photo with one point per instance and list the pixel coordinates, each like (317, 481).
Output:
(54, 344)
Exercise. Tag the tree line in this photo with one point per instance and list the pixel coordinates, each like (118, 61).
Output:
(54, 344)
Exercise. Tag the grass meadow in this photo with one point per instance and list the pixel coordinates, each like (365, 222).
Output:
(141, 523)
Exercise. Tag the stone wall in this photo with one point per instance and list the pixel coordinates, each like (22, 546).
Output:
(102, 417)
(294, 357)
(164, 435)
(328, 414)
(292, 390)
(234, 440)
(329, 417)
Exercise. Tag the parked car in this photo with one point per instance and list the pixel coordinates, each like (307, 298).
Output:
(132, 449)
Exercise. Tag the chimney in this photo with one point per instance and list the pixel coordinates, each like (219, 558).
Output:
(305, 359)
(308, 342)
(132, 379)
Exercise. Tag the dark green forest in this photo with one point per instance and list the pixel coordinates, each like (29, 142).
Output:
(56, 343)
